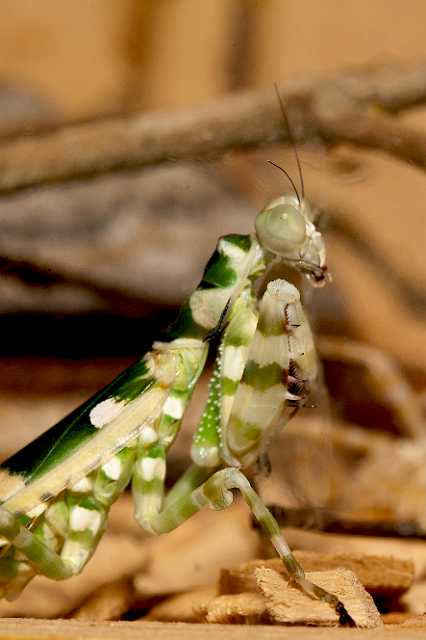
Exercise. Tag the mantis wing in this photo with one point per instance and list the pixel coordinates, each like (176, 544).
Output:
(85, 439)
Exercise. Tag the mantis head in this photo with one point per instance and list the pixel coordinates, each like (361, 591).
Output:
(284, 228)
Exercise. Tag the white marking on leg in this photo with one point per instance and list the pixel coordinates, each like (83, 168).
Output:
(151, 468)
(234, 359)
(174, 407)
(112, 468)
(105, 412)
(84, 485)
(269, 350)
(82, 519)
(205, 456)
(281, 546)
(148, 436)
(75, 553)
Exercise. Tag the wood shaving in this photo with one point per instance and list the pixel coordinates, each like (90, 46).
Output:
(239, 608)
(182, 607)
(287, 604)
(380, 575)
(109, 602)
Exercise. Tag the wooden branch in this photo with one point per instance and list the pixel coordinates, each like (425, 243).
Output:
(319, 519)
(318, 107)
(373, 130)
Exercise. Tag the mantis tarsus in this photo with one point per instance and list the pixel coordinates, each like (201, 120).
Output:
(56, 492)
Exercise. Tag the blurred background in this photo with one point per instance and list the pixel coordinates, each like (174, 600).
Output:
(91, 270)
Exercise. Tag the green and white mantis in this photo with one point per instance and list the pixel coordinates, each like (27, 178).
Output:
(55, 493)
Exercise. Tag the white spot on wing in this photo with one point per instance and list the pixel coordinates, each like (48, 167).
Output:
(105, 412)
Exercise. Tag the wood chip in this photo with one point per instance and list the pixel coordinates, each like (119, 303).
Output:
(332, 543)
(286, 604)
(414, 600)
(109, 602)
(239, 608)
(380, 575)
(396, 617)
(116, 558)
(182, 607)
(416, 621)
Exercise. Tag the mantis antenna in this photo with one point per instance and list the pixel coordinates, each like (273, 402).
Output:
(292, 141)
(274, 164)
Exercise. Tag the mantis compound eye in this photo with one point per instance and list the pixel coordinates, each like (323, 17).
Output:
(281, 229)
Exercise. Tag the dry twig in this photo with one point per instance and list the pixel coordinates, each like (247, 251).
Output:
(334, 108)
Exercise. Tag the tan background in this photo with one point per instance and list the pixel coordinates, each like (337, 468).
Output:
(86, 58)
(91, 57)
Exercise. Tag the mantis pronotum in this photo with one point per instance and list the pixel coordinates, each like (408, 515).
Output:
(55, 493)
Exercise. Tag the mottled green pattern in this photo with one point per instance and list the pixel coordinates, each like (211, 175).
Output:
(206, 438)
(219, 272)
(271, 326)
(245, 435)
(261, 378)
(242, 242)
(185, 326)
(59, 541)
(65, 437)
(229, 386)
(133, 381)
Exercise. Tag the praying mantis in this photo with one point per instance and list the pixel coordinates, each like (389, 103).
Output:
(56, 492)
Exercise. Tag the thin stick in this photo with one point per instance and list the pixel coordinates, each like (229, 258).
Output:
(334, 108)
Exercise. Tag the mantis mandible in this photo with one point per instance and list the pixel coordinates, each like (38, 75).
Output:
(56, 492)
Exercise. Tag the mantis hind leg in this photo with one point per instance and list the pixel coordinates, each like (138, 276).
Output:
(63, 539)
(193, 492)
(217, 493)
(25, 555)
(199, 487)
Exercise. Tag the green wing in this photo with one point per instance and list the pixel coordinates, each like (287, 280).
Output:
(75, 445)
(61, 440)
